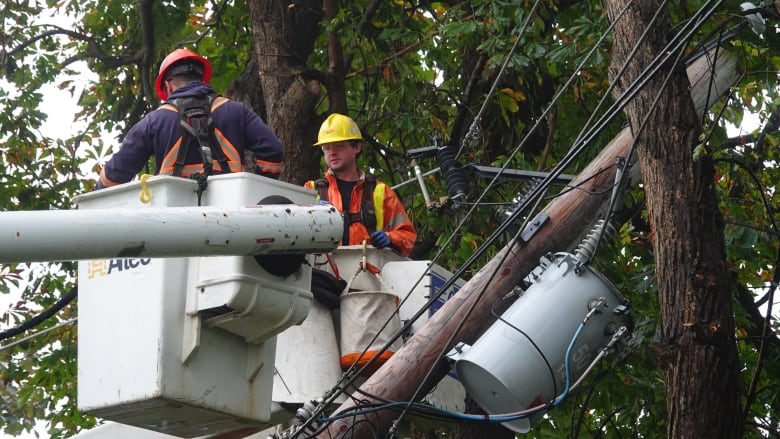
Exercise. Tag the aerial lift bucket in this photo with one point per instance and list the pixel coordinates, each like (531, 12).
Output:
(186, 345)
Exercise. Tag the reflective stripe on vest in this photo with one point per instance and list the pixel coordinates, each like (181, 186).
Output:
(268, 167)
(379, 202)
(230, 151)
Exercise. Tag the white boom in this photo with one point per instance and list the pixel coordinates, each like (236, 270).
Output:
(53, 235)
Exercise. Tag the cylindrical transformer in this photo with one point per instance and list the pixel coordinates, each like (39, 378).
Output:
(519, 362)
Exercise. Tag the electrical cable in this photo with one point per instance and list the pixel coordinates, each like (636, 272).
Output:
(621, 71)
(712, 77)
(554, 100)
(457, 329)
(500, 230)
(446, 414)
(533, 343)
(38, 334)
(621, 176)
(43, 316)
(675, 45)
(429, 411)
(450, 282)
(472, 133)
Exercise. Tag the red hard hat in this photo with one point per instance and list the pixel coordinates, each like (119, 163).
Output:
(174, 57)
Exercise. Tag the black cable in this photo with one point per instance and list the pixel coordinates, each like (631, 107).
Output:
(472, 134)
(673, 47)
(473, 305)
(533, 343)
(521, 207)
(43, 316)
(485, 246)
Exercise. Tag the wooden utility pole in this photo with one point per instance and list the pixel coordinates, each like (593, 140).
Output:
(570, 216)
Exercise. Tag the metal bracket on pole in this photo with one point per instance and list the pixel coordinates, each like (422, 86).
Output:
(534, 226)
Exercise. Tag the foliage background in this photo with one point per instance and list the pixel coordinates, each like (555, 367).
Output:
(413, 74)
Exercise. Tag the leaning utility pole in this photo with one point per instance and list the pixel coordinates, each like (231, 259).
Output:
(570, 216)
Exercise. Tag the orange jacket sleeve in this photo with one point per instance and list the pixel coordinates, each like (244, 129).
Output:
(397, 225)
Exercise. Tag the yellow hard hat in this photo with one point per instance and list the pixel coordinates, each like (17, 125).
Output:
(338, 128)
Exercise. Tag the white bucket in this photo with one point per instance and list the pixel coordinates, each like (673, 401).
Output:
(369, 319)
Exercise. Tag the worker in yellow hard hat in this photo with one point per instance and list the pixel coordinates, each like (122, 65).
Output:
(372, 211)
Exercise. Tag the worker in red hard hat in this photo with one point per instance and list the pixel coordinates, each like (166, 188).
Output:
(233, 138)
(371, 209)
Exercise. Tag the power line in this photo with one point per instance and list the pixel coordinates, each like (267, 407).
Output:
(43, 316)
(38, 334)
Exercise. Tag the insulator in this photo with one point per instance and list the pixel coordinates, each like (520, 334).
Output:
(519, 202)
(307, 410)
(472, 137)
(454, 175)
(303, 414)
(586, 250)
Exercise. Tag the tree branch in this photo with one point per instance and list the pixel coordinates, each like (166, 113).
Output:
(772, 126)
(337, 96)
(93, 49)
(147, 47)
(361, 27)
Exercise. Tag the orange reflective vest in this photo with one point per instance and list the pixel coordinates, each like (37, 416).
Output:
(390, 213)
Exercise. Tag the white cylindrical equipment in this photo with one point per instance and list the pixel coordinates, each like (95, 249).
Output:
(519, 362)
(62, 235)
(307, 358)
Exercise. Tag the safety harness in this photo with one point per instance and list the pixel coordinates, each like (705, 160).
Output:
(197, 130)
(367, 214)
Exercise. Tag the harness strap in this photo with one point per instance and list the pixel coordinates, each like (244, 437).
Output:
(202, 179)
(194, 127)
(197, 125)
(367, 214)
(368, 210)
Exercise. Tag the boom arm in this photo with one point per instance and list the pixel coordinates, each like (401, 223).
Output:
(52, 235)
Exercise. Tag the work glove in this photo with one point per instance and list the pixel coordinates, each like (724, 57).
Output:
(322, 203)
(379, 239)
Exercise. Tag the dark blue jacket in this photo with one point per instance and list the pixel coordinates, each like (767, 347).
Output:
(158, 134)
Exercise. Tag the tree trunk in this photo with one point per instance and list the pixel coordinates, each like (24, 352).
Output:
(284, 34)
(698, 349)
